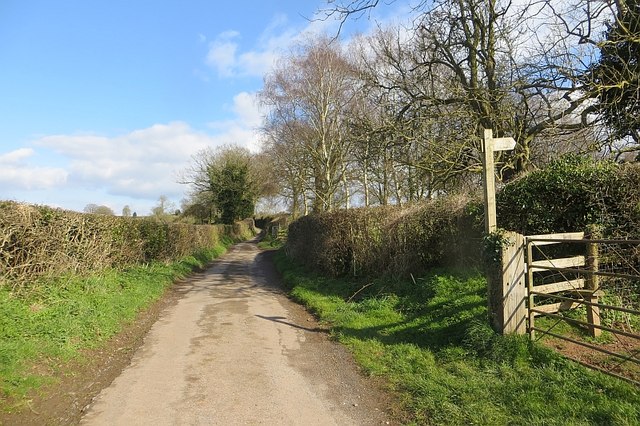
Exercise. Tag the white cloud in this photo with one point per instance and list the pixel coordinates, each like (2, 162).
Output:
(244, 128)
(141, 164)
(17, 174)
(228, 59)
(16, 156)
(246, 108)
(224, 58)
(222, 53)
(32, 178)
(256, 63)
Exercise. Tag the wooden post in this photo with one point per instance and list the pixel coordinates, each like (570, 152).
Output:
(531, 301)
(507, 291)
(592, 284)
(513, 286)
(489, 146)
(506, 295)
(489, 182)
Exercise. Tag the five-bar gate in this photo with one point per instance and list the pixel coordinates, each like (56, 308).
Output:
(557, 282)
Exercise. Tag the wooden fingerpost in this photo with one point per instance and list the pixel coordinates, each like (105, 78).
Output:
(592, 287)
(489, 146)
(489, 182)
(507, 291)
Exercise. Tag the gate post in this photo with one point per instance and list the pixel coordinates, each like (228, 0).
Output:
(507, 290)
(592, 284)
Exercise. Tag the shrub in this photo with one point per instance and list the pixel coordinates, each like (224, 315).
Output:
(572, 194)
(370, 241)
(38, 241)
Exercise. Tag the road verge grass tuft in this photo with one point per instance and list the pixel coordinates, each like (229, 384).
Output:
(269, 242)
(430, 340)
(58, 318)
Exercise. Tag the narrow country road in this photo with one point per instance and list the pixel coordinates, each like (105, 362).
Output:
(235, 351)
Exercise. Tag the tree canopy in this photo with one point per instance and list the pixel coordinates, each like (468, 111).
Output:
(615, 77)
(397, 115)
(225, 185)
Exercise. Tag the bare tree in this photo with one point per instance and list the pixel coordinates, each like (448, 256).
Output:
(308, 93)
(420, 145)
(399, 118)
(164, 208)
(484, 64)
(98, 209)
(288, 164)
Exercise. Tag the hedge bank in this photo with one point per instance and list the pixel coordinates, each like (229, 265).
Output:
(572, 194)
(39, 241)
(370, 241)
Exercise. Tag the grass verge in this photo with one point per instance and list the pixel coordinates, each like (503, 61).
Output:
(430, 341)
(60, 317)
(269, 242)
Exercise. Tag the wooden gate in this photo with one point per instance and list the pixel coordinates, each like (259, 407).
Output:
(555, 285)
(560, 283)
(550, 276)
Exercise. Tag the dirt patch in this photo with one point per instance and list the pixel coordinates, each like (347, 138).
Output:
(624, 345)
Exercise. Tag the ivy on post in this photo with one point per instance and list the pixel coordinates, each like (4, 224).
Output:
(506, 279)
(506, 296)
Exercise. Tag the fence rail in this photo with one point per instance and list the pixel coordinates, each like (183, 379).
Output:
(584, 289)
(549, 276)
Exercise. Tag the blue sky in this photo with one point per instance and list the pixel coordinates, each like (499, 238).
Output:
(105, 101)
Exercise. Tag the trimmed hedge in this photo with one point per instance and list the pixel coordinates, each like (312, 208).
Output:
(572, 194)
(37, 241)
(371, 241)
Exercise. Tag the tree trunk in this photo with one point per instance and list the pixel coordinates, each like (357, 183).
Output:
(347, 193)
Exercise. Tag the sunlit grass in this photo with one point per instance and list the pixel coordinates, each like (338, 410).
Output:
(429, 339)
(269, 242)
(57, 318)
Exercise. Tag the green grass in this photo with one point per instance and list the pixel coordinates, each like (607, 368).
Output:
(58, 318)
(429, 340)
(268, 242)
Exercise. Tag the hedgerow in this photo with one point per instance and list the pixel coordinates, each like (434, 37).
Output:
(370, 241)
(39, 241)
(571, 194)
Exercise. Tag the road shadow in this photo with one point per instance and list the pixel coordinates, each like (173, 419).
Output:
(266, 273)
(282, 320)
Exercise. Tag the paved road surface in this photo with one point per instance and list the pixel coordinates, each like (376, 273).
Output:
(235, 351)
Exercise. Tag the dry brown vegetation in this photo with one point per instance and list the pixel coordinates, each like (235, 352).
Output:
(572, 194)
(371, 241)
(38, 241)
